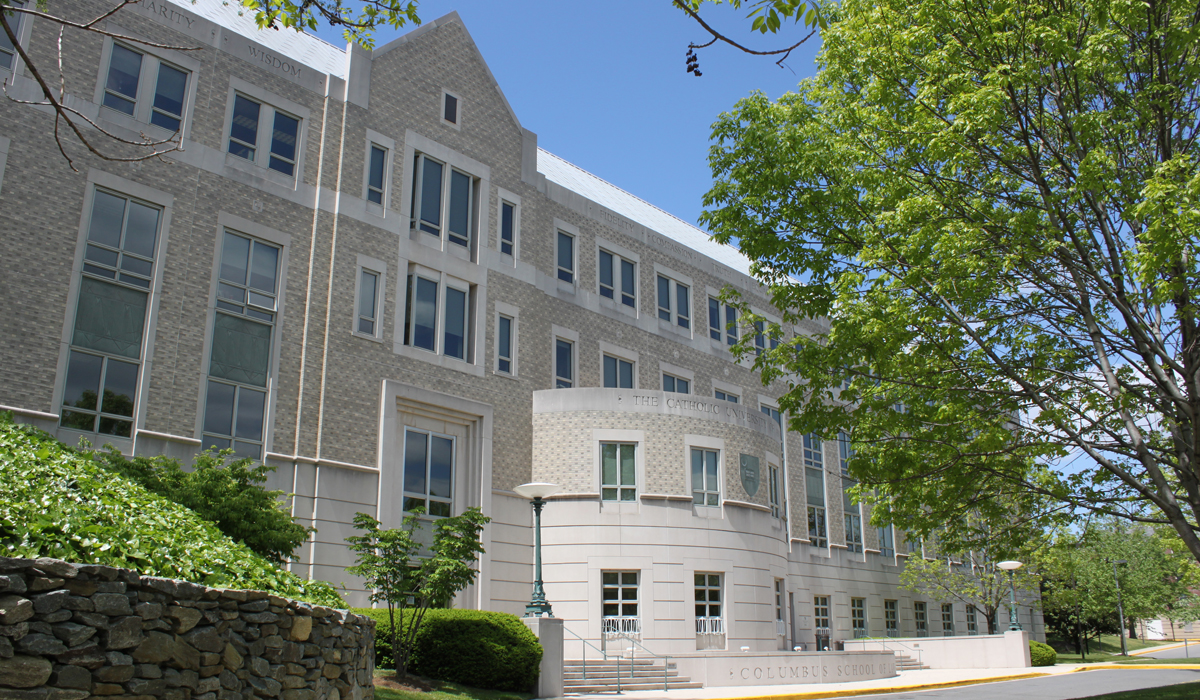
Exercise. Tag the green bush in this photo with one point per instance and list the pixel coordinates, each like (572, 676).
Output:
(56, 502)
(1042, 654)
(482, 649)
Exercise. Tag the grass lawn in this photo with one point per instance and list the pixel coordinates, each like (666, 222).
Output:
(1183, 691)
(444, 690)
(1108, 646)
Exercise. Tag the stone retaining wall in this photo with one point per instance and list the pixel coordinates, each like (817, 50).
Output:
(73, 631)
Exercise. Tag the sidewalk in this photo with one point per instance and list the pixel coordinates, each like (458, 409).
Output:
(906, 681)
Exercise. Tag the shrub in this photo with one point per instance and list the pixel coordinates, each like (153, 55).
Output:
(478, 648)
(1042, 654)
(58, 503)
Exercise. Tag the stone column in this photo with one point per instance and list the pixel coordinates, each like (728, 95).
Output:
(549, 631)
(1016, 649)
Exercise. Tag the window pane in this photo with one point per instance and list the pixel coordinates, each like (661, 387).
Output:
(123, 71)
(566, 257)
(506, 225)
(626, 374)
(683, 386)
(668, 383)
(250, 405)
(109, 318)
(120, 385)
(141, 229)
(455, 341)
(425, 314)
(451, 111)
(244, 127)
(608, 465)
(366, 294)
(610, 371)
(628, 471)
(664, 298)
(714, 319)
(684, 313)
(235, 256)
(504, 337)
(698, 477)
(815, 484)
(710, 470)
(283, 143)
(731, 328)
(83, 382)
(378, 156)
(218, 409)
(628, 283)
(431, 193)
(264, 269)
(606, 274)
(241, 350)
(441, 461)
(168, 97)
(562, 363)
(415, 446)
(7, 51)
(108, 212)
(460, 207)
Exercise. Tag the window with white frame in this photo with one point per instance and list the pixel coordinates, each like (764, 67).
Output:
(675, 384)
(618, 471)
(8, 52)
(858, 617)
(145, 87)
(110, 315)
(814, 480)
(264, 135)
(725, 396)
(887, 545)
(564, 363)
(565, 256)
(773, 414)
(674, 302)
(821, 614)
(239, 370)
(505, 341)
(508, 227)
(367, 321)
(779, 601)
(708, 601)
(921, 618)
(428, 472)
(618, 278)
(891, 618)
(437, 314)
(850, 510)
(947, 619)
(443, 200)
(377, 170)
(618, 372)
(706, 486)
(722, 325)
(774, 492)
(619, 603)
(972, 621)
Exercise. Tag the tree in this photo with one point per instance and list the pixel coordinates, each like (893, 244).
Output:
(971, 579)
(405, 576)
(358, 19)
(995, 207)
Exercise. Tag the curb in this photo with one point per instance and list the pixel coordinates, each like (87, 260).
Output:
(881, 690)
(1141, 667)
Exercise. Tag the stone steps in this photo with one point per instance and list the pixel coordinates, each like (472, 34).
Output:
(904, 662)
(635, 674)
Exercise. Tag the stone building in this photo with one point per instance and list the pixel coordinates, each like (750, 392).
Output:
(361, 269)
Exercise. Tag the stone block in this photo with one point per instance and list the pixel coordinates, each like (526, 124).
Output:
(293, 682)
(145, 686)
(111, 604)
(73, 634)
(261, 618)
(113, 674)
(259, 666)
(125, 633)
(107, 689)
(56, 567)
(15, 631)
(148, 671)
(265, 686)
(25, 671)
(230, 658)
(182, 619)
(298, 694)
(77, 602)
(57, 616)
(44, 583)
(148, 611)
(154, 649)
(6, 648)
(43, 644)
(331, 671)
(82, 588)
(255, 606)
(14, 609)
(91, 619)
(111, 587)
(12, 583)
(68, 676)
(301, 628)
(229, 681)
(185, 655)
(205, 639)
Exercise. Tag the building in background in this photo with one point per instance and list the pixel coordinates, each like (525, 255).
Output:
(362, 270)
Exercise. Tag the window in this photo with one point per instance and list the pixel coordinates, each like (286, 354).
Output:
(377, 174)
(250, 127)
(618, 276)
(428, 472)
(922, 621)
(449, 108)
(972, 623)
(422, 316)
(891, 618)
(240, 363)
(564, 363)
(887, 546)
(779, 600)
(676, 384)
(618, 373)
(504, 344)
(706, 490)
(566, 257)
(814, 479)
(852, 514)
(368, 297)
(947, 619)
(821, 614)
(110, 316)
(8, 53)
(915, 544)
(143, 87)
(708, 603)
(443, 199)
(760, 341)
(508, 227)
(618, 471)
(773, 491)
(715, 326)
(858, 617)
(619, 603)
(724, 396)
(674, 302)
(773, 414)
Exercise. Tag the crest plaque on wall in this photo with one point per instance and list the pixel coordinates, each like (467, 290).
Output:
(750, 475)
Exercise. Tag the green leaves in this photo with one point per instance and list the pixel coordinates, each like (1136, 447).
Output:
(62, 504)
(359, 19)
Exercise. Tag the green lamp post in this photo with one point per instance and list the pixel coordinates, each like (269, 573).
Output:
(1010, 566)
(537, 492)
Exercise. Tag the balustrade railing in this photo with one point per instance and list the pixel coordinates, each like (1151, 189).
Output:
(623, 626)
(710, 625)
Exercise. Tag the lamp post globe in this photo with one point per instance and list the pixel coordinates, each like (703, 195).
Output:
(538, 492)
(1010, 566)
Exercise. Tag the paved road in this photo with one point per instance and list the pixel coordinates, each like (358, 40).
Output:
(1192, 651)
(1065, 687)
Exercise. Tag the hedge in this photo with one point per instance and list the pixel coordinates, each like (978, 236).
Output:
(1042, 654)
(479, 648)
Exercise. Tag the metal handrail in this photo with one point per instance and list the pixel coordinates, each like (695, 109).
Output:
(601, 652)
(666, 662)
(888, 640)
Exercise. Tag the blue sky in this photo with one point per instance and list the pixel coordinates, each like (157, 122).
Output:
(603, 84)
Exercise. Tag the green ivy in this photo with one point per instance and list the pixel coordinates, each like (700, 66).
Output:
(59, 503)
